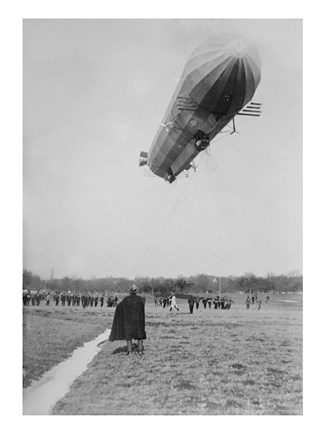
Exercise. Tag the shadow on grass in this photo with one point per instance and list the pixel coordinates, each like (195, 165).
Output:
(123, 349)
(184, 385)
(238, 366)
(275, 371)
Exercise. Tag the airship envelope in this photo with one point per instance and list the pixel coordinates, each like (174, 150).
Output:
(219, 79)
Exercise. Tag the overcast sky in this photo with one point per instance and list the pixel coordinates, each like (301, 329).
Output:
(95, 92)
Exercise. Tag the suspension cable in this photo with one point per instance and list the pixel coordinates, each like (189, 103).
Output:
(161, 229)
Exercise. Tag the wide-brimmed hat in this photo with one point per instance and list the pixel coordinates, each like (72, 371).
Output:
(133, 289)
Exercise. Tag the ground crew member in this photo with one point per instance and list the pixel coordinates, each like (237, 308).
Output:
(102, 299)
(191, 302)
(173, 303)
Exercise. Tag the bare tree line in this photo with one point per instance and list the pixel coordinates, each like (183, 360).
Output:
(201, 283)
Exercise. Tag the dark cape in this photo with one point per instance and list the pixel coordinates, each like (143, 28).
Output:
(129, 319)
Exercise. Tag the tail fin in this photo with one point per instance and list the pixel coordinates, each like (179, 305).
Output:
(143, 158)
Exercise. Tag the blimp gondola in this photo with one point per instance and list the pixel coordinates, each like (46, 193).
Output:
(218, 82)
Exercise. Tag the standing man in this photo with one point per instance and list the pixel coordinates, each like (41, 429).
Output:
(197, 302)
(38, 298)
(96, 299)
(191, 302)
(63, 299)
(173, 302)
(57, 298)
(102, 298)
(129, 321)
(28, 298)
(83, 300)
(48, 297)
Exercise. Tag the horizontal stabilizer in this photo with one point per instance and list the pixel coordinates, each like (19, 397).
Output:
(143, 158)
(184, 102)
(251, 115)
(252, 109)
(186, 109)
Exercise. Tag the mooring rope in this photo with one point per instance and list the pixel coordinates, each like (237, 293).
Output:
(202, 161)
(161, 229)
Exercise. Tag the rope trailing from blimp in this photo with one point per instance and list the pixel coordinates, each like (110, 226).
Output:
(163, 226)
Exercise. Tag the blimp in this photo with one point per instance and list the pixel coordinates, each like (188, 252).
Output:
(218, 83)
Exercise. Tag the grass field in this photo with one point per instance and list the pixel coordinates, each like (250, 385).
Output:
(50, 334)
(212, 362)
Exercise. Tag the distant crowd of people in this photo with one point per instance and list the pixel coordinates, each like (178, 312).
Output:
(35, 298)
(255, 301)
(218, 302)
(69, 299)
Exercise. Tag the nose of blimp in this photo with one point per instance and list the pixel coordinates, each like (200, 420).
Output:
(237, 46)
(224, 49)
(226, 61)
(240, 48)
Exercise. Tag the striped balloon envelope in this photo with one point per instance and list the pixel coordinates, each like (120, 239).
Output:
(219, 79)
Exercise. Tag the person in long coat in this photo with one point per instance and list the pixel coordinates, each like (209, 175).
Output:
(129, 321)
(191, 302)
